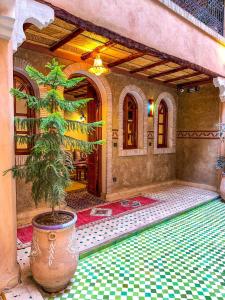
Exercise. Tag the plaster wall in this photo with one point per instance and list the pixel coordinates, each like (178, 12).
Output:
(194, 160)
(196, 157)
(141, 170)
(129, 171)
(153, 24)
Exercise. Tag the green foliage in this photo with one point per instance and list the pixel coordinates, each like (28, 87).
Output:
(48, 165)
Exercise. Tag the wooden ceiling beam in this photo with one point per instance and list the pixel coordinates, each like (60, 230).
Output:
(194, 83)
(167, 72)
(126, 59)
(182, 77)
(150, 66)
(58, 53)
(97, 50)
(66, 39)
(118, 70)
(127, 42)
(26, 26)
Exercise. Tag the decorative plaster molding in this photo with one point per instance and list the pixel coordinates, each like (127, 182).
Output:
(150, 134)
(6, 27)
(220, 83)
(115, 134)
(199, 134)
(142, 121)
(172, 115)
(30, 11)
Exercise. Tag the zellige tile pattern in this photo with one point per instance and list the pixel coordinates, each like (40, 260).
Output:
(181, 258)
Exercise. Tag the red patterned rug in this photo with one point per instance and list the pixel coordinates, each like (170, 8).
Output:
(93, 215)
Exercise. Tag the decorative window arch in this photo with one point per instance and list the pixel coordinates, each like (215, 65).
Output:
(21, 110)
(137, 140)
(165, 124)
(130, 123)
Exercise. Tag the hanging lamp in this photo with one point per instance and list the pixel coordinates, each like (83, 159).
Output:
(98, 67)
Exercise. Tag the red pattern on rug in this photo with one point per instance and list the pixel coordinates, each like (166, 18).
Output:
(84, 217)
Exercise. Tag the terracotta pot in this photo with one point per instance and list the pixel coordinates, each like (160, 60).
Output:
(222, 186)
(54, 254)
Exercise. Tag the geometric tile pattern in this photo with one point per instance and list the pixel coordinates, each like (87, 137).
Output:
(172, 200)
(181, 258)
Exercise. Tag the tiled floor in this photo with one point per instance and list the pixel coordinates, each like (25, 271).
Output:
(172, 200)
(182, 258)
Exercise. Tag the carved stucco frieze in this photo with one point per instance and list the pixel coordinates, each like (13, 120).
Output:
(30, 11)
(220, 83)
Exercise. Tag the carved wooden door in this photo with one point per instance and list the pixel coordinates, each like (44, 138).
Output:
(94, 159)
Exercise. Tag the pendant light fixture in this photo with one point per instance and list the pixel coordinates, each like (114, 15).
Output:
(98, 67)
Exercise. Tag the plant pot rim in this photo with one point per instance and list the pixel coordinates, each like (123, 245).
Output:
(56, 226)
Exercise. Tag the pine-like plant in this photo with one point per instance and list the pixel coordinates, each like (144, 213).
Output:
(48, 165)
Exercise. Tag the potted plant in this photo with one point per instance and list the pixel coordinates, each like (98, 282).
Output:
(54, 253)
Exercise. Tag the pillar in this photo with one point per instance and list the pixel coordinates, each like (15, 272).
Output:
(13, 15)
(220, 83)
(9, 270)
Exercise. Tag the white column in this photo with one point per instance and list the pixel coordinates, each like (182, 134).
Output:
(220, 83)
(13, 14)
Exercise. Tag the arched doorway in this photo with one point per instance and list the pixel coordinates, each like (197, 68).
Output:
(104, 90)
(88, 168)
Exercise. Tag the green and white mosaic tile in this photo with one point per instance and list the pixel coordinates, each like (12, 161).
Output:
(182, 258)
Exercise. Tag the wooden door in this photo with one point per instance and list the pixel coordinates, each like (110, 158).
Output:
(94, 114)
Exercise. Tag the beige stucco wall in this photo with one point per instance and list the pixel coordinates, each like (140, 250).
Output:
(136, 171)
(129, 171)
(196, 157)
(194, 160)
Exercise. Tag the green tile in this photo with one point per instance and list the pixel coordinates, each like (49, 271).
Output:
(181, 258)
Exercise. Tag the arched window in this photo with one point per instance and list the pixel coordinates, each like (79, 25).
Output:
(21, 110)
(130, 123)
(162, 125)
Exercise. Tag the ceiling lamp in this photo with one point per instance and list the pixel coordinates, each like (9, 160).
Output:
(98, 67)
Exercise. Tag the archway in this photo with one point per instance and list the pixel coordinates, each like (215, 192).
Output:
(103, 91)
(87, 174)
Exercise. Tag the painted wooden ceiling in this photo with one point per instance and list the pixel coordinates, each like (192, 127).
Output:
(66, 40)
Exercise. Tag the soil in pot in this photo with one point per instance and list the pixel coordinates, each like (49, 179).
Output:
(53, 219)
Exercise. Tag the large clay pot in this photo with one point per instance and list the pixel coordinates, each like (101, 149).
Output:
(54, 253)
(222, 186)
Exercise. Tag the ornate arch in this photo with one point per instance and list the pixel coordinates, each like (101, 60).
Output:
(19, 66)
(172, 115)
(140, 97)
(106, 98)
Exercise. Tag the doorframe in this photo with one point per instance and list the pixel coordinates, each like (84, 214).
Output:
(102, 87)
